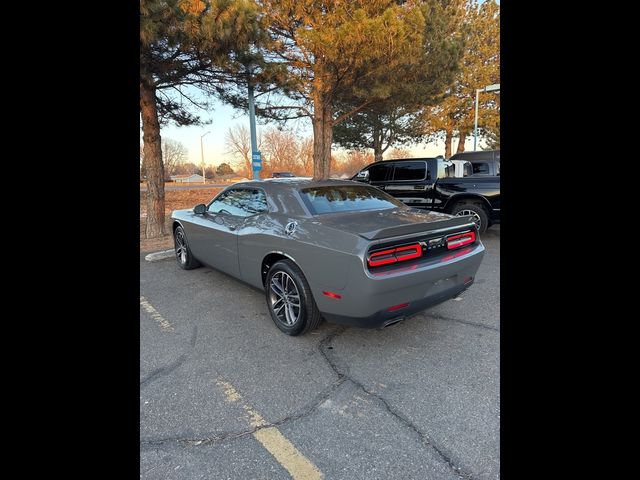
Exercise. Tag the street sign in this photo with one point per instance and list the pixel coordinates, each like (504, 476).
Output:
(257, 160)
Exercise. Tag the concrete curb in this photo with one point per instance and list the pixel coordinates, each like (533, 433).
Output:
(155, 256)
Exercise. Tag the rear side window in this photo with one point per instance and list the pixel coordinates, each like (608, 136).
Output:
(379, 172)
(347, 198)
(406, 171)
(480, 168)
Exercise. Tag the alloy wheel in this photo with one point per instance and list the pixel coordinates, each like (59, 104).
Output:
(284, 298)
(181, 247)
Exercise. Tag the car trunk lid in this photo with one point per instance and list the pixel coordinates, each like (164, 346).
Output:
(394, 222)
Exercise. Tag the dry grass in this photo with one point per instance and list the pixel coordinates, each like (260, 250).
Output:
(173, 200)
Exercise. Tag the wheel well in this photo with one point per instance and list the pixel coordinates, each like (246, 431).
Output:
(174, 226)
(268, 261)
(467, 199)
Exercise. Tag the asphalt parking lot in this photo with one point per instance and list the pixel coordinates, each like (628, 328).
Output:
(225, 395)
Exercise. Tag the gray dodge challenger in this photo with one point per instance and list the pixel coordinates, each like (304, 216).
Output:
(338, 250)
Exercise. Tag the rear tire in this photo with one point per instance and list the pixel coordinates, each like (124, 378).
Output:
(289, 299)
(185, 258)
(474, 209)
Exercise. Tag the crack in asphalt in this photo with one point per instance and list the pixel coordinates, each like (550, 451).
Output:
(343, 375)
(465, 322)
(160, 372)
(221, 437)
(342, 372)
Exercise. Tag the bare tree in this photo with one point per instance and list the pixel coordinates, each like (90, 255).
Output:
(306, 156)
(174, 153)
(353, 162)
(399, 153)
(238, 143)
(281, 151)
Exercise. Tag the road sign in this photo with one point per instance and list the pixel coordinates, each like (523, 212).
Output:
(257, 160)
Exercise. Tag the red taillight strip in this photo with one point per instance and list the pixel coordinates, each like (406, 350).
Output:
(382, 261)
(393, 255)
(456, 241)
(408, 256)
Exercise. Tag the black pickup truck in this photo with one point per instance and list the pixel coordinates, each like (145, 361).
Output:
(430, 183)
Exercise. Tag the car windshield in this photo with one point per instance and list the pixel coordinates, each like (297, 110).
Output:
(347, 198)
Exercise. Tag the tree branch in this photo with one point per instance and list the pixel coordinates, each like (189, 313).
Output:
(344, 116)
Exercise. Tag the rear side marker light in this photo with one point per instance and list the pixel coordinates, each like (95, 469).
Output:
(456, 241)
(393, 255)
(398, 307)
(332, 295)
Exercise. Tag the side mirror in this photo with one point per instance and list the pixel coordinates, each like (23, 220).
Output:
(200, 209)
(362, 176)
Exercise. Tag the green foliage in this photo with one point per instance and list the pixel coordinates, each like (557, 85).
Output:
(480, 67)
(191, 47)
(397, 118)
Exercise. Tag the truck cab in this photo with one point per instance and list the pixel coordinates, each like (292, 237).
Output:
(433, 184)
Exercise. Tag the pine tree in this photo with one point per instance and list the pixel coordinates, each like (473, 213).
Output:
(187, 48)
(398, 119)
(332, 52)
(480, 67)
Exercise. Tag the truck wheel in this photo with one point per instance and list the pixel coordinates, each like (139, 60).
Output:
(475, 210)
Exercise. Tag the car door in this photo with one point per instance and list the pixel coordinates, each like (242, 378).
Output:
(214, 238)
(411, 183)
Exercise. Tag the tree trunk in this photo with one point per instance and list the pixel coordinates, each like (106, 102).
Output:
(447, 143)
(463, 137)
(377, 142)
(152, 161)
(322, 137)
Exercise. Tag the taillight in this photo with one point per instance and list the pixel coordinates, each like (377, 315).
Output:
(393, 255)
(456, 241)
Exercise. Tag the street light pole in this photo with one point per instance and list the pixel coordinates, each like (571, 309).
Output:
(475, 122)
(489, 88)
(204, 179)
(255, 154)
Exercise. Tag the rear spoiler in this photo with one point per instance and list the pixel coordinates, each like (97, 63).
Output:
(417, 228)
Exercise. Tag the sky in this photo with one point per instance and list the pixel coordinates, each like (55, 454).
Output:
(223, 116)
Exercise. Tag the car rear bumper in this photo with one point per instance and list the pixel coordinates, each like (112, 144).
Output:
(374, 301)
(384, 318)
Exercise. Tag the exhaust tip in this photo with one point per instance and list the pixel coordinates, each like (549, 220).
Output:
(393, 321)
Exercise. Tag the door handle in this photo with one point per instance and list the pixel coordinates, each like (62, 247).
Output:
(232, 227)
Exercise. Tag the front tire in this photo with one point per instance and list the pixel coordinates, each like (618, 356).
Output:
(475, 210)
(185, 258)
(289, 299)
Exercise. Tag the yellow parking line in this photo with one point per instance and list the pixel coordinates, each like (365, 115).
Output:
(285, 453)
(163, 322)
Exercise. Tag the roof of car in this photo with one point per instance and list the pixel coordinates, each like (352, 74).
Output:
(294, 182)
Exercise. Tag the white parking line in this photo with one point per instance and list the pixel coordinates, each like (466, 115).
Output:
(163, 322)
(285, 453)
